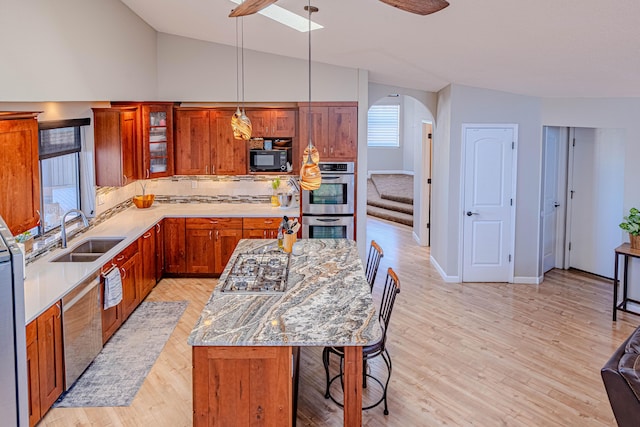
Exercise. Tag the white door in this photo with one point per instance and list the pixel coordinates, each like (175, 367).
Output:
(596, 197)
(555, 140)
(489, 177)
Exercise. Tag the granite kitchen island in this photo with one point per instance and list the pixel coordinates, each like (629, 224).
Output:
(244, 343)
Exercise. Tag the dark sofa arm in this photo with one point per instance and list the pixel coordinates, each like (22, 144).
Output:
(624, 403)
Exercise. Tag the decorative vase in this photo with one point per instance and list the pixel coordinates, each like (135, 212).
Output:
(635, 241)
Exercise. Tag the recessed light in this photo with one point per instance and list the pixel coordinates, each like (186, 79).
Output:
(286, 17)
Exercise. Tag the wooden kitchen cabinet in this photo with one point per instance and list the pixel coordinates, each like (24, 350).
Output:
(205, 144)
(273, 123)
(20, 176)
(157, 140)
(175, 261)
(147, 249)
(226, 241)
(130, 270)
(334, 131)
(200, 246)
(260, 228)
(230, 154)
(159, 230)
(115, 141)
(45, 375)
(33, 378)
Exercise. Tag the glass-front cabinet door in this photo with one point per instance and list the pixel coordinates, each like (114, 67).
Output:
(157, 139)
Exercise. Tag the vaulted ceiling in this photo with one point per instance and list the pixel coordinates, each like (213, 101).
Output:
(547, 48)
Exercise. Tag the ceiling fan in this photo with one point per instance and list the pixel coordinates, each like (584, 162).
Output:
(419, 7)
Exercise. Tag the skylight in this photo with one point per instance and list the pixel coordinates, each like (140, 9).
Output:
(287, 18)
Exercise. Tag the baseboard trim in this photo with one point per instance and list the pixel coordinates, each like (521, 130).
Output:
(448, 279)
(527, 280)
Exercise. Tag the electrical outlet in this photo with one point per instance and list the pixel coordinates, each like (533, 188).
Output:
(194, 184)
(100, 199)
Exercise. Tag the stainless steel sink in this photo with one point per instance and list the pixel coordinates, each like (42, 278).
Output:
(97, 245)
(79, 257)
(89, 250)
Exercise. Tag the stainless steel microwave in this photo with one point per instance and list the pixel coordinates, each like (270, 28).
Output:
(268, 160)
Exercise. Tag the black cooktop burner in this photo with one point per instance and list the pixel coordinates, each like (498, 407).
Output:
(258, 273)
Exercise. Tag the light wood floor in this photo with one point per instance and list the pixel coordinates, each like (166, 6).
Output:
(483, 354)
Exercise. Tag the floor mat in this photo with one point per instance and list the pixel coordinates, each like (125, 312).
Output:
(116, 374)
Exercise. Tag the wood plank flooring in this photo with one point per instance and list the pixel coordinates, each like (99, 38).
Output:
(482, 354)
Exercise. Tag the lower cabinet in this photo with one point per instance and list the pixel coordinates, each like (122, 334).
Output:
(128, 261)
(199, 246)
(147, 248)
(159, 250)
(260, 228)
(44, 362)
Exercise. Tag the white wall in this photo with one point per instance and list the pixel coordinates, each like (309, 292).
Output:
(474, 105)
(195, 71)
(75, 50)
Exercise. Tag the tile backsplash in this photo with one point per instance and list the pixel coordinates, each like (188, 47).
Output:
(225, 187)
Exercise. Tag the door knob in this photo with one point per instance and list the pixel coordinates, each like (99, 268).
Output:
(469, 213)
(555, 205)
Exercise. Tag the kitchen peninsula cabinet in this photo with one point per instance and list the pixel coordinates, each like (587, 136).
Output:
(44, 361)
(205, 144)
(273, 123)
(20, 176)
(175, 261)
(115, 140)
(334, 130)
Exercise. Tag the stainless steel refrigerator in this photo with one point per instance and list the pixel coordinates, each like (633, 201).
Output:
(13, 345)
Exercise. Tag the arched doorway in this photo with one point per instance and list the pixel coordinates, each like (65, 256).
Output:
(412, 157)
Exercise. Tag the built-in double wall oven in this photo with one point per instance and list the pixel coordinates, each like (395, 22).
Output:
(328, 212)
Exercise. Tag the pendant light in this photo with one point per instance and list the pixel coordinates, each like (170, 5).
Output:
(310, 178)
(240, 123)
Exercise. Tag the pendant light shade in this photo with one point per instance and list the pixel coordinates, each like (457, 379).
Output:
(240, 123)
(310, 178)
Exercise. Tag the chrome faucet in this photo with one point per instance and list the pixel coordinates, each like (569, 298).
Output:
(63, 227)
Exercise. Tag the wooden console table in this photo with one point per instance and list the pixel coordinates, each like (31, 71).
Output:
(626, 251)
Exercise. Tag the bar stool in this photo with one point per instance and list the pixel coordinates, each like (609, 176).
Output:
(391, 289)
(373, 262)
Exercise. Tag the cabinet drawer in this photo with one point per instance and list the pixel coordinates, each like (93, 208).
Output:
(261, 223)
(126, 254)
(214, 223)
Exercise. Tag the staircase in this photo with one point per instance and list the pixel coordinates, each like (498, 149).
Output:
(390, 197)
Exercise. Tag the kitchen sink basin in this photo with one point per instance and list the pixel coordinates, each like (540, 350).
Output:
(89, 250)
(77, 257)
(96, 245)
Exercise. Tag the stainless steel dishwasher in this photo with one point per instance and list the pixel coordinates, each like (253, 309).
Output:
(81, 328)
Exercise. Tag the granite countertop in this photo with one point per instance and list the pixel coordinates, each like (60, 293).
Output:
(327, 302)
(47, 282)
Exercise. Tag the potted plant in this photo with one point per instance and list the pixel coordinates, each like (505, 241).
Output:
(631, 225)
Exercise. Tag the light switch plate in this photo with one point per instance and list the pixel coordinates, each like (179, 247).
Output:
(100, 199)
(194, 184)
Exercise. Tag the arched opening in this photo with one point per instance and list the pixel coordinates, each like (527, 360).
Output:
(399, 171)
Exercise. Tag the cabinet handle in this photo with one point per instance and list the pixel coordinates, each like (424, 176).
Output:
(217, 235)
(158, 228)
(210, 234)
(125, 179)
(206, 169)
(213, 169)
(59, 310)
(264, 234)
(124, 273)
(268, 221)
(38, 221)
(146, 236)
(213, 221)
(331, 150)
(120, 258)
(147, 173)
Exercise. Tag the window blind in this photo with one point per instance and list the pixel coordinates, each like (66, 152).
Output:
(384, 126)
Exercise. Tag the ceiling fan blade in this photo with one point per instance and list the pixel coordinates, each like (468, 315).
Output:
(249, 7)
(420, 7)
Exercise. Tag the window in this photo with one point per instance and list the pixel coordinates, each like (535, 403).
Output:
(384, 126)
(59, 152)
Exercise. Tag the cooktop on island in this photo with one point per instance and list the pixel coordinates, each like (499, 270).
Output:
(258, 273)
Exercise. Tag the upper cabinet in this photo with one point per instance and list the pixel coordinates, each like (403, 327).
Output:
(20, 176)
(334, 130)
(273, 123)
(115, 143)
(157, 140)
(205, 144)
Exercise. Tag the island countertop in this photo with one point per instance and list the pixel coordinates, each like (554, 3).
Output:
(327, 301)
